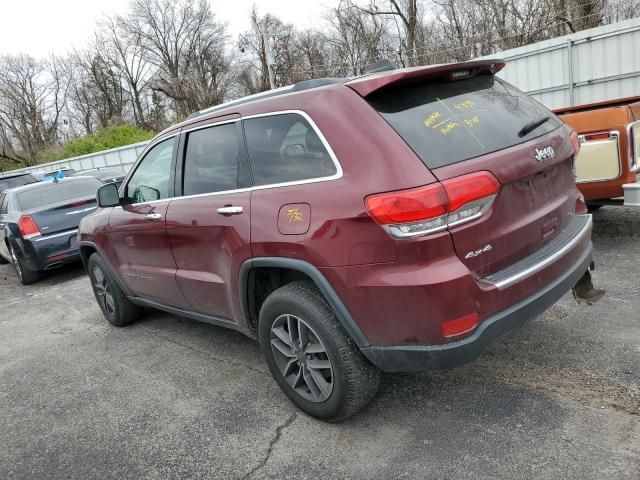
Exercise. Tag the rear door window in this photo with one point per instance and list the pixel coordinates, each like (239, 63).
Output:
(285, 148)
(211, 160)
(446, 122)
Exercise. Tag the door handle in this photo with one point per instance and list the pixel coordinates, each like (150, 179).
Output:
(230, 210)
(153, 217)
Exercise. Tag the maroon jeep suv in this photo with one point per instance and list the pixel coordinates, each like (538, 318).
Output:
(394, 222)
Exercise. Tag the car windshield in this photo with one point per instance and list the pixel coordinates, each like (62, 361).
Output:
(446, 122)
(52, 193)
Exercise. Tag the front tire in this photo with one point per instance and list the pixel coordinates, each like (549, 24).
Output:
(26, 276)
(113, 302)
(311, 357)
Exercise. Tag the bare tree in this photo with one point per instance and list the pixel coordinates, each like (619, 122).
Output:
(313, 55)
(617, 10)
(98, 87)
(177, 37)
(32, 97)
(407, 12)
(356, 38)
(124, 49)
(268, 49)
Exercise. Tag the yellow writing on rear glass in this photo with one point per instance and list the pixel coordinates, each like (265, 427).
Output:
(449, 127)
(464, 105)
(432, 118)
(470, 122)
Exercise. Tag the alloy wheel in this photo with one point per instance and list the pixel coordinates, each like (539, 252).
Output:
(301, 358)
(103, 291)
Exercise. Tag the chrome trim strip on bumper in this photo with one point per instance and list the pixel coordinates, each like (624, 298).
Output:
(501, 281)
(47, 237)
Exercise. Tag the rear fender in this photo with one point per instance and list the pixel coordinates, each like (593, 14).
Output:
(318, 279)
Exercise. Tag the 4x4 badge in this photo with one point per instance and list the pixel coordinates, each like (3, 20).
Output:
(546, 152)
(480, 251)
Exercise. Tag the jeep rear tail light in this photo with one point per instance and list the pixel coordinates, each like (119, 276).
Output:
(470, 196)
(432, 208)
(407, 213)
(28, 227)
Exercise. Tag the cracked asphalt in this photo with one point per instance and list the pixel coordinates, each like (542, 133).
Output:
(169, 398)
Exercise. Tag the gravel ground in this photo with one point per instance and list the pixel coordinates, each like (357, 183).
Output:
(169, 398)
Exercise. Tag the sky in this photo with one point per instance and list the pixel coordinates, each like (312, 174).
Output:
(41, 27)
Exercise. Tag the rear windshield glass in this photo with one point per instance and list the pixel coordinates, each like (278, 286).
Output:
(448, 122)
(6, 183)
(53, 193)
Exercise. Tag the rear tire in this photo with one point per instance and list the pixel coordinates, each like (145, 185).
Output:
(25, 276)
(113, 302)
(311, 357)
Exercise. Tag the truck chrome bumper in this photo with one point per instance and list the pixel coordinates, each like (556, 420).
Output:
(631, 194)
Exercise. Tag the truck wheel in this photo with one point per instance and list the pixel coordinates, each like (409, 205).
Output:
(311, 357)
(26, 276)
(115, 305)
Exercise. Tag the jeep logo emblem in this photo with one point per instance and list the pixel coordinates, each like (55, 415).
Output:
(546, 152)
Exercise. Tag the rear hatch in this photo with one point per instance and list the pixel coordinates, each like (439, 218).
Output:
(462, 120)
(59, 207)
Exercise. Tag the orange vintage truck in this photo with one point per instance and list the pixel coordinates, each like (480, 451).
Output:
(609, 159)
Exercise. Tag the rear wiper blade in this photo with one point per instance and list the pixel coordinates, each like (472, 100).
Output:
(531, 126)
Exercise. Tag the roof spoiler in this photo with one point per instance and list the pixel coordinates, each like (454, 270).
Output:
(372, 83)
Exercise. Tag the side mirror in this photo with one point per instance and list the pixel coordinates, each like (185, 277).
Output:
(108, 196)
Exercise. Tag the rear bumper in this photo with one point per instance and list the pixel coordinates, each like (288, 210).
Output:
(47, 252)
(419, 358)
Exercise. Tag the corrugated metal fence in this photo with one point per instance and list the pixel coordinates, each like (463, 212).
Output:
(122, 157)
(594, 65)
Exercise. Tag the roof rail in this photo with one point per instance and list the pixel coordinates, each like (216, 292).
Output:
(304, 85)
(316, 82)
(380, 66)
(247, 99)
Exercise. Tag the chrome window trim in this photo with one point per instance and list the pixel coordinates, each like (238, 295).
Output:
(633, 155)
(339, 172)
(507, 282)
(211, 125)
